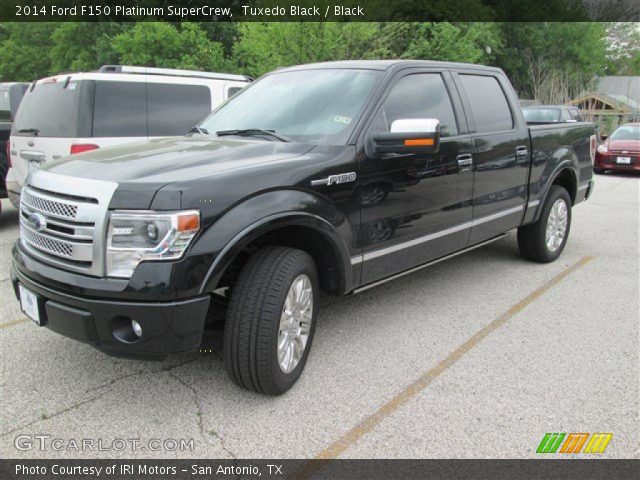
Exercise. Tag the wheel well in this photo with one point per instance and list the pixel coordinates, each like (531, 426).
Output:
(326, 256)
(567, 180)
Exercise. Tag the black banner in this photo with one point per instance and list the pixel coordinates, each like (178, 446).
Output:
(319, 10)
(320, 469)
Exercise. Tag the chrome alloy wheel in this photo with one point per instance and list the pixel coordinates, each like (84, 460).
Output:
(556, 225)
(295, 323)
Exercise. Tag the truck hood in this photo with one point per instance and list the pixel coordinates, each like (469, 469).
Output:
(173, 159)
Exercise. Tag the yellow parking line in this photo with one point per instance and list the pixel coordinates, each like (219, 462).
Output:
(13, 322)
(369, 423)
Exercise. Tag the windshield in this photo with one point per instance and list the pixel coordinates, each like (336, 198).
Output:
(627, 132)
(542, 115)
(49, 110)
(311, 106)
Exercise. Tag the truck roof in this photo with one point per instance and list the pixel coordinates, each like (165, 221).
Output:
(387, 65)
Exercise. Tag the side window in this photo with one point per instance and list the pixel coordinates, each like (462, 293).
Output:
(488, 103)
(232, 91)
(565, 115)
(421, 95)
(120, 110)
(174, 109)
(575, 115)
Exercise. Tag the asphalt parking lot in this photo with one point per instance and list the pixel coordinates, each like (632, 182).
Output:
(476, 357)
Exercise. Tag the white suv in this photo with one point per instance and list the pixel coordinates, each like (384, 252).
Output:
(76, 112)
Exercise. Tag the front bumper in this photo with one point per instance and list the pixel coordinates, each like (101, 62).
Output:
(167, 327)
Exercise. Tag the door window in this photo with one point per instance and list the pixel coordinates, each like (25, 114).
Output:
(232, 91)
(175, 109)
(120, 109)
(422, 95)
(488, 103)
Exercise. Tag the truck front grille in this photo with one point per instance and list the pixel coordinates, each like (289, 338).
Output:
(48, 244)
(58, 227)
(57, 208)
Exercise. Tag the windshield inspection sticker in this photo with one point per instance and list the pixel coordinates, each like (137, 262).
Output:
(342, 119)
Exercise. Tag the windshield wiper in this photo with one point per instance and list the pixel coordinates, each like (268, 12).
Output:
(35, 131)
(200, 130)
(258, 132)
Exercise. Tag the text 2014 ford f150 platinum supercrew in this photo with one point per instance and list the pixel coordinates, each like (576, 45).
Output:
(335, 176)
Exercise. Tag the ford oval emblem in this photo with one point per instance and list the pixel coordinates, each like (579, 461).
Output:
(30, 143)
(37, 221)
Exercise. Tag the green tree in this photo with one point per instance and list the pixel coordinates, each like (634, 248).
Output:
(444, 41)
(574, 53)
(82, 46)
(462, 42)
(25, 50)
(160, 44)
(265, 46)
(623, 48)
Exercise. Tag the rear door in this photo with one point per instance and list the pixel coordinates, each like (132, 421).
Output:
(500, 153)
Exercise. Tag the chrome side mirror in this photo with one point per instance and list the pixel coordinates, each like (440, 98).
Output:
(410, 135)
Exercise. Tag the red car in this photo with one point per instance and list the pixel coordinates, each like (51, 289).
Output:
(621, 151)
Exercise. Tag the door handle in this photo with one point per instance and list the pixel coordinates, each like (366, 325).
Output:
(521, 151)
(464, 162)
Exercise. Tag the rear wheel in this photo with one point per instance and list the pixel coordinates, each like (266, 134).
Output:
(544, 240)
(271, 320)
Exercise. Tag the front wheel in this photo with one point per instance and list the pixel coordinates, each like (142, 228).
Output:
(544, 240)
(271, 320)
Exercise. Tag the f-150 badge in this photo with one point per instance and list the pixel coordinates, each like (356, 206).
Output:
(335, 179)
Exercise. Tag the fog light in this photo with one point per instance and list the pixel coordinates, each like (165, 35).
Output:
(126, 329)
(137, 329)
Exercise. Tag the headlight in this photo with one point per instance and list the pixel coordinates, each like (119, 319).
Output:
(602, 148)
(134, 237)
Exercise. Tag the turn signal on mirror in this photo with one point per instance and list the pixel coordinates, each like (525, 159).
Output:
(419, 142)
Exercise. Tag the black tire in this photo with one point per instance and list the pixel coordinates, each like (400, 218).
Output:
(253, 319)
(599, 171)
(531, 238)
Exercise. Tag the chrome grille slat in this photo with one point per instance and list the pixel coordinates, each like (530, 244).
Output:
(80, 231)
(69, 217)
(44, 205)
(48, 244)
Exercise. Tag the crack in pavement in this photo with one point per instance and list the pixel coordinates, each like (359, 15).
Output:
(55, 414)
(199, 414)
(104, 387)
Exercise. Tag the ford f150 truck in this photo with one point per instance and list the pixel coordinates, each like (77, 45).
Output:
(334, 176)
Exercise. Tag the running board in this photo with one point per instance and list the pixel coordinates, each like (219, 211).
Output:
(428, 264)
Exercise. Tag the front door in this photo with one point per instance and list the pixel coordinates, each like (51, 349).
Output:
(415, 207)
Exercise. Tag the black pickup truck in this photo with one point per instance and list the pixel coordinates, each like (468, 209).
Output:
(335, 176)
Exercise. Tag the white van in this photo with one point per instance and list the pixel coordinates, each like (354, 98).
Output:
(76, 112)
